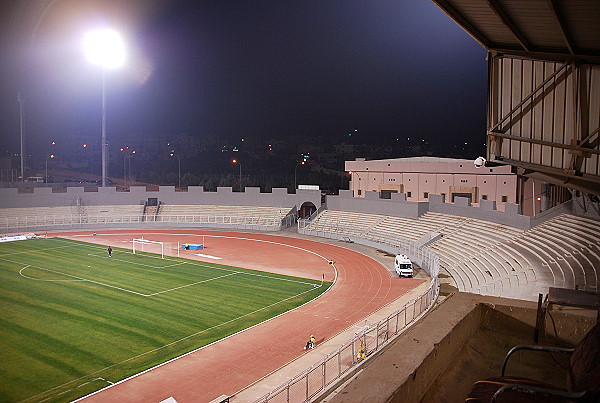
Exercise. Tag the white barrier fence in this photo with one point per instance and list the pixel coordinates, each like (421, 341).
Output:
(326, 373)
(339, 364)
(265, 223)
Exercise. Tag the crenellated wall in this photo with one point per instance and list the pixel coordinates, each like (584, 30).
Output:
(486, 211)
(371, 203)
(399, 207)
(224, 196)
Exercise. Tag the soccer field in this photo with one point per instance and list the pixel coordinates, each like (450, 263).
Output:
(73, 320)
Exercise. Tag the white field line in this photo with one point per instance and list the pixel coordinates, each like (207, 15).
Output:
(220, 268)
(77, 278)
(128, 261)
(208, 256)
(188, 285)
(162, 347)
(39, 279)
(232, 237)
(72, 243)
(174, 264)
(29, 252)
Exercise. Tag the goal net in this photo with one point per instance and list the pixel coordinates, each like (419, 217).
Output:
(147, 246)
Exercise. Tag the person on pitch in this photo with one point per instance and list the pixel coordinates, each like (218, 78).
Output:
(109, 250)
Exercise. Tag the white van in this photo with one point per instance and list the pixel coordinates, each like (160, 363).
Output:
(403, 265)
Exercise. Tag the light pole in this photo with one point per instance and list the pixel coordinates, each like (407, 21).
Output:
(172, 154)
(126, 158)
(21, 102)
(50, 156)
(358, 184)
(104, 47)
(295, 169)
(129, 165)
(124, 164)
(235, 161)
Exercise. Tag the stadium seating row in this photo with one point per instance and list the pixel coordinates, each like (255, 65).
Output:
(488, 258)
(69, 215)
(200, 214)
(169, 210)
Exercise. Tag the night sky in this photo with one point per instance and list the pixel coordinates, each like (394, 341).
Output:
(254, 69)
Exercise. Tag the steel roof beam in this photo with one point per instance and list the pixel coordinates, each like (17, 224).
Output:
(512, 27)
(563, 26)
(463, 22)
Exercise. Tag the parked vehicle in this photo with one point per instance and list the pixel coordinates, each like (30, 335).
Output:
(403, 265)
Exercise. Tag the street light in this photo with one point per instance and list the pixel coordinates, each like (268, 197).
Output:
(21, 101)
(129, 164)
(172, 154)
(238, 162)
(358, 184)
(126, 158)
(295, 182)
(124, 166)
(106, 48)
(50, 156)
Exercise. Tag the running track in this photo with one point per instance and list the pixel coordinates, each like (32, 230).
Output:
(361, 287)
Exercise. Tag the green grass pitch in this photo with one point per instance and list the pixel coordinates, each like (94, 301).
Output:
(73, 320)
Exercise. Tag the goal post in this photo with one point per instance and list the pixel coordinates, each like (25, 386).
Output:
(148, 246)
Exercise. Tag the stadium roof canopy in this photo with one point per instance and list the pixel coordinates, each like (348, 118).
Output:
(542, 29)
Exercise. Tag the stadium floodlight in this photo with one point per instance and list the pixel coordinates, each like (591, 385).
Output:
(106, 48)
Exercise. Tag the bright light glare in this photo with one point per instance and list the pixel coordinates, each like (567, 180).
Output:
(105, 47)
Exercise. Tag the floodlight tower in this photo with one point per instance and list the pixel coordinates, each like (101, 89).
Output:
(104, 47)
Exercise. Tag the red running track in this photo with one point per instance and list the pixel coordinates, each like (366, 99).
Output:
(362, 286)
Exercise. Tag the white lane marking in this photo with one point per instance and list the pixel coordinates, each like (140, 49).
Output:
(208, 256)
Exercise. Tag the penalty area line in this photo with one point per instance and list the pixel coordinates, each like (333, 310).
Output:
(191, 284)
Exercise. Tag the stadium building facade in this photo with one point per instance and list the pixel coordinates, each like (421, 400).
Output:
(420, 177)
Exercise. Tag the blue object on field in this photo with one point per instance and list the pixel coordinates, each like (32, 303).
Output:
(192, 246)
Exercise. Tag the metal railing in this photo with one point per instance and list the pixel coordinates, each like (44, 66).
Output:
(258, 222)
(66, 220)
(340, 363)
